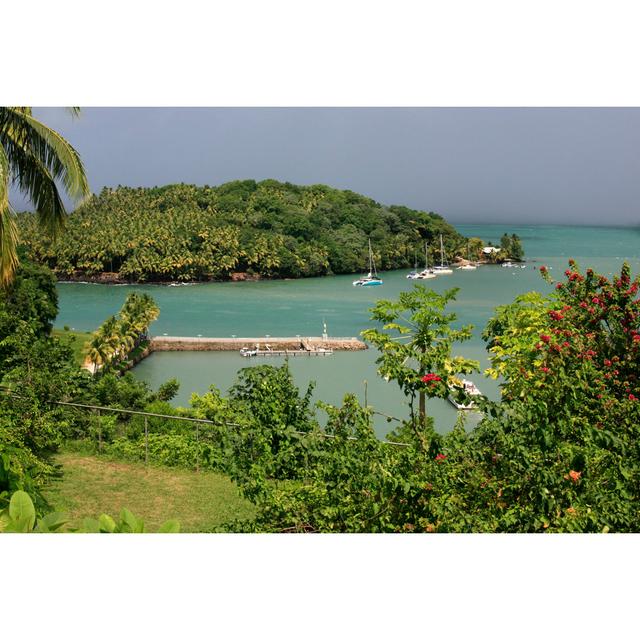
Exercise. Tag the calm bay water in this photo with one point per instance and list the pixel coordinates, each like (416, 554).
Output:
(289, 308)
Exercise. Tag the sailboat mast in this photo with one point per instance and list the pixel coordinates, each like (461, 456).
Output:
(441, 252)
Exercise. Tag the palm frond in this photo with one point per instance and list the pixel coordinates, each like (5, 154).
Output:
(8, 246)
(49, 147)
(34, 179)
(8, 229)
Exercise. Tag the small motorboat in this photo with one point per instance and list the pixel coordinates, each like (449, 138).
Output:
(470, 389)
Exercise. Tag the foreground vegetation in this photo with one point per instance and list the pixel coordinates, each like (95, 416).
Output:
(90, 484)
(559, 452)
(255, 229)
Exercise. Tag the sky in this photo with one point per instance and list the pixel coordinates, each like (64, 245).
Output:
(526, 165)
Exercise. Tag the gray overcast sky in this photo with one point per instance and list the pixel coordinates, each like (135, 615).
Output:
(556, 165)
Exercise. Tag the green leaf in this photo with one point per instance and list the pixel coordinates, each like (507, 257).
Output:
(90, 525)
(107, 523)
(51, 522)
(21, 510)
(130, 524)
(170, 526)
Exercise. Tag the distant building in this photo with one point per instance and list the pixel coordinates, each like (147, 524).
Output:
(489, 250)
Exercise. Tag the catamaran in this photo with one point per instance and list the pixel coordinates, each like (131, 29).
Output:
(426, 273)
(371, 279)
(414, 274)
(442, 269)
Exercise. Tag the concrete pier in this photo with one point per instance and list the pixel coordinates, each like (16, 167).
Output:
(175, 343)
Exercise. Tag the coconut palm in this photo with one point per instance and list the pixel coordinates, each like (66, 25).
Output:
(33, 157)
(105, 344)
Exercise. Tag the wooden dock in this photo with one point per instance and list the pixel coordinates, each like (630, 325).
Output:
(285, 353)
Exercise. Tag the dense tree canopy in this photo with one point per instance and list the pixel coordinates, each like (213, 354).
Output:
(268, 229)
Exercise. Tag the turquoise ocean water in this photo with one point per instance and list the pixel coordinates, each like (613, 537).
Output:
(298, 307)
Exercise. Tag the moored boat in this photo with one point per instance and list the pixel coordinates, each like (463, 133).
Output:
(470, 389)
(371, 279)
(442, 269)
(427, 273)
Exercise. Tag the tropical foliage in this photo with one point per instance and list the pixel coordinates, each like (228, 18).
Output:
(511, 247)
(558, 452)
(20, 517)
(263, 229)
(34, 158)
(416, 341)
(119, 335)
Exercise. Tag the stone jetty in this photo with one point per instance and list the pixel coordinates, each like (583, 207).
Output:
(175, 343)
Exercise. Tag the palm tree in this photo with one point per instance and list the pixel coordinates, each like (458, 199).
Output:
(105, 344)
(33, 157)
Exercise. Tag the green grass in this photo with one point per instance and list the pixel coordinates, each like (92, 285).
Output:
(78, 345)
(92, 485)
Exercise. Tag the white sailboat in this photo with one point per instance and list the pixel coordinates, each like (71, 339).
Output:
(371, 279)
(426, 273)
(442, 269)
(414, 274)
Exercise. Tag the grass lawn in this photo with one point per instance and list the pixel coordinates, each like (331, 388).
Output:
(91, 486)
(79, 344)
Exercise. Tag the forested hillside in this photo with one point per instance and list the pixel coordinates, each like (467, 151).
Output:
(236, 230)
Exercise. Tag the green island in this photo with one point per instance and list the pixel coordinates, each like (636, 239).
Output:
(241, 230)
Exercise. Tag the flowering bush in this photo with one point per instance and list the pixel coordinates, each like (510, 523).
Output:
(571, 379)
(559, 452)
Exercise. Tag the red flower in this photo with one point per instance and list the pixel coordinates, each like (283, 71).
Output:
(632, 397)
(574, 476)
(440, 458)
(559, 285)
(431, 377)
(543, 268)
(545, 338)
(636, 338)
(556, 315)
(607, 363)
(545, 369)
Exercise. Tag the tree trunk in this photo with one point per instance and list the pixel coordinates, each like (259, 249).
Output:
(423, 410)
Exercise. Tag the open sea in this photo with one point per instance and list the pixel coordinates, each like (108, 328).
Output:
(298, 307)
